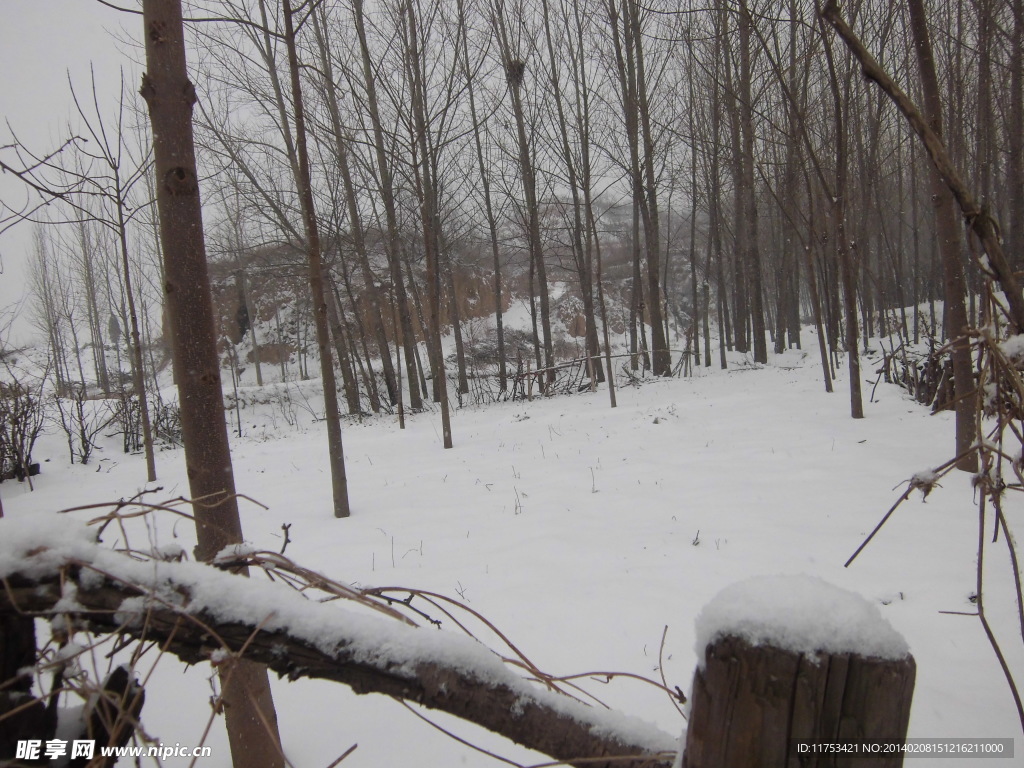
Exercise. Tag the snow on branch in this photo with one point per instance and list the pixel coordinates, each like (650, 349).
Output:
(52, 566)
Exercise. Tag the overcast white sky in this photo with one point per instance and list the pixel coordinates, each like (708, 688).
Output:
(40, 42)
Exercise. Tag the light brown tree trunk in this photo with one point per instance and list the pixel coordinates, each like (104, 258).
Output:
(249, 711)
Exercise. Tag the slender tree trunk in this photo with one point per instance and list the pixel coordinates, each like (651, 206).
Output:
(515, 73)
(741, 229)
(344, 339)
(92, 308)
(1015, 140)
(456, 319)
(342, 347)
(581, 87)
(845, 258)
(662, 358)
(335, 450)
(138, 371)
(948, 231)
(393, 242)
(751, 254)
(492, 224)
(430, 219)
(341, 143)
(583, 267)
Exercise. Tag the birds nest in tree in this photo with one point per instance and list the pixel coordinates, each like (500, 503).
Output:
(514, 71)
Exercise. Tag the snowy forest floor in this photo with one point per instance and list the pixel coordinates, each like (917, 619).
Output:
(582, 532)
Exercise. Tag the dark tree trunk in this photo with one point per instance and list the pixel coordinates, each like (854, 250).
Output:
(430, 219)
(515, 74)
(948, 231)
(838, 225)
(751, 252)
(662, 358)
(492, 224)
(341, 143)
(393, 243)
(332, 415)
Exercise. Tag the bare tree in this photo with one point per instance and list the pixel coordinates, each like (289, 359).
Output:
(387, 194)
(339, 480)
(513, 64)
(950, 248)
(101, 188)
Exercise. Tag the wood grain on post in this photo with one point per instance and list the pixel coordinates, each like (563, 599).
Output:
(753, 705)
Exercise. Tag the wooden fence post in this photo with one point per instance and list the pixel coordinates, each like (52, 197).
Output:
(755, 704)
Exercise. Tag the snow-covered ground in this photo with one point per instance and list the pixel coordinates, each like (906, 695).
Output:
(582, 532)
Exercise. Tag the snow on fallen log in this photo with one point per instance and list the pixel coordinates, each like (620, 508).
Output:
(52, 565)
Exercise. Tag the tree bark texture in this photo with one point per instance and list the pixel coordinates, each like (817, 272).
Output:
(170, 97)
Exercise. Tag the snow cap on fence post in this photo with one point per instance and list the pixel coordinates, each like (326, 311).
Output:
(803, 614)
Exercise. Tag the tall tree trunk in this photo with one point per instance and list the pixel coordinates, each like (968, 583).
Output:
(751, 254)
(581, 88)
(332, 415)
(341, 143)
(387, 193)
(845, 258)
(430, 219)
(1015, 140)
(947, 228)
(626, 74)
(138, 371)
(249, 711)
(741, 230)
(580, 254)
(661, 356)
(492, 224)
(515, 73)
